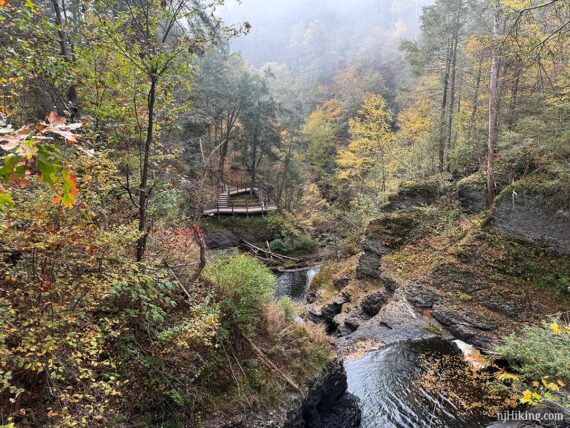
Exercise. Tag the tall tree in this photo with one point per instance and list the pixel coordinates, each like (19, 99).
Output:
(259, 123)
(153, 38)
(493, 108)
(367, 156)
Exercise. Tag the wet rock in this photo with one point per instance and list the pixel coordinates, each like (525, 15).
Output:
(372, 303)
(368, 266)
(341, 283)
(448, 317)
(420, 296)
(218, 241)
(527, 217)
(327, 403)
(374, 247)
(470, 335)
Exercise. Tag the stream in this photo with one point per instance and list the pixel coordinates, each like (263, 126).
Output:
(403, 384)
(295, 283)
(392, 384)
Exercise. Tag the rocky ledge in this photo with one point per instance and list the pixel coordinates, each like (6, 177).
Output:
(327, 404)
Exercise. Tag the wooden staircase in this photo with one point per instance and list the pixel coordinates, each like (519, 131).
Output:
(223, 203)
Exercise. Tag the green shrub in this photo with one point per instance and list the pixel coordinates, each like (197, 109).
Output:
(145, 296)
(280, 246)
(288, 307)
(539, 351)
(245, 285)
(302, 244)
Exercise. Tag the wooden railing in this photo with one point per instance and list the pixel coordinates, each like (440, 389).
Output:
(227, 191)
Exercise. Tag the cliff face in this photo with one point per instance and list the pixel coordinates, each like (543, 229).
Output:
(437, 270)
(526, 216)
(531, 209)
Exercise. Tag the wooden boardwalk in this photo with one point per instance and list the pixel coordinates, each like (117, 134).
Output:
(224, 205)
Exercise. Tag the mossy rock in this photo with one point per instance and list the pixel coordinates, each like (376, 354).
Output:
(412, 194)
(551, 189)
(393, 230)
(415, 188)
(477, 181)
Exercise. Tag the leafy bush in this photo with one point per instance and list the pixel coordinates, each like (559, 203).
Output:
(288, 307)
(540, 357)
(301, 244)
(539, 351)
(146, 298)
(245, 285)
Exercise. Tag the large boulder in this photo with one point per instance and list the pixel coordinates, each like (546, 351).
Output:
(373, 302)
(392, 230)
(219, 241)
(374, 247)
(448, 317)
(368, 266)
(329, 311)
(528, 217)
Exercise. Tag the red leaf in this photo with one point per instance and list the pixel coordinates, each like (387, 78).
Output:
(55, 119)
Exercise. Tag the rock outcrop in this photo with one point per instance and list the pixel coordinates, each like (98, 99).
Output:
(420, 296)
(527, 217)
(412, 195)
(219, 241)
(373, 302)
(327, 403)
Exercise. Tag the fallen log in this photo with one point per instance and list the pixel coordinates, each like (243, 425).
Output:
(271, 365)
(269, 252)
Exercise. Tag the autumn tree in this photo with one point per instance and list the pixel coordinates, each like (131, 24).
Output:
(365, 161)
(156, 42)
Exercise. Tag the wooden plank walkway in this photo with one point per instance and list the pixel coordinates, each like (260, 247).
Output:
(258, 210)
(225, 207)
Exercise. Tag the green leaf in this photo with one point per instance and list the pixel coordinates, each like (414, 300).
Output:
(6, 201)
(31, 5)
(9, 167)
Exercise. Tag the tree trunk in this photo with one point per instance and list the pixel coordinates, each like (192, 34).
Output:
(473, 119)
(65, 52)
(443, 115)
(514, 94)
(144, 191)
(453, 66)
(199, 238)
(493, 113)
(253, 164)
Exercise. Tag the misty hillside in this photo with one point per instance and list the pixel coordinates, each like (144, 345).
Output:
(285, 31)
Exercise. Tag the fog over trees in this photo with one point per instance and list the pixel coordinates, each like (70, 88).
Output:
(336, 31)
